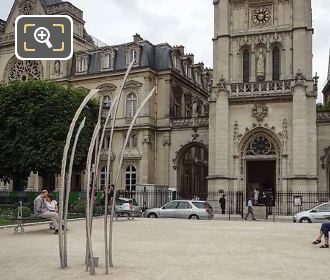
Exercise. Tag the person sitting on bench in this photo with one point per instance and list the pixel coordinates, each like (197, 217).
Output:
(325, 228)
(52, 206)
(41, 210)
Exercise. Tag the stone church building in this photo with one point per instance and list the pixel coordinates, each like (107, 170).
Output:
(264, 131)
(251, 122)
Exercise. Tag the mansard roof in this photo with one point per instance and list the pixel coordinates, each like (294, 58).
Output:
(156, 57)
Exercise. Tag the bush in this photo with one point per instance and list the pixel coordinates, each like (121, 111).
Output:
(10, 211)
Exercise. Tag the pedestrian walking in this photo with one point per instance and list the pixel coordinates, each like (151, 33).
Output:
(222, 202)
(250, 210)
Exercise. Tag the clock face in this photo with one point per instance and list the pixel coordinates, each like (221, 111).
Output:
(261, 16)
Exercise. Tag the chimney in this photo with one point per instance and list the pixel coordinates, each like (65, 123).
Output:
(180, 48)
(137, 38)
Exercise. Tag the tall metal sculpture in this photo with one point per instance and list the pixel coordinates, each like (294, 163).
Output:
(92, 182)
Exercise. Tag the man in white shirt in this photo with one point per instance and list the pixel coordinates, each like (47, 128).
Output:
(250, 210)
(41, 210)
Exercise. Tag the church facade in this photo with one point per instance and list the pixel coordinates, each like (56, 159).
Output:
(263, 130)
(256, 126)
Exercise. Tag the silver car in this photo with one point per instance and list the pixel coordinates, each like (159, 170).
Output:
(318, 214)
(184, 209)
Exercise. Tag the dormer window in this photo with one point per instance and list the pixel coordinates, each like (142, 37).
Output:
(81, 64)
(108, 60)
(133, 53)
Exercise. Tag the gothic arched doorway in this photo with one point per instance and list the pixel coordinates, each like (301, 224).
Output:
(192, 171)
(260, 165)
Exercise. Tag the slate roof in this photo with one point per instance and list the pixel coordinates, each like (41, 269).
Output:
(157, 57)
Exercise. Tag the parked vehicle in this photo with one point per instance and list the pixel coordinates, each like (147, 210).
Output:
(184, 209)
(125, 206)
(318, 214)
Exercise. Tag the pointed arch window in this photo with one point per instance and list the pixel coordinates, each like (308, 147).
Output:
(131, 105)
(246, 66)
(276, 64)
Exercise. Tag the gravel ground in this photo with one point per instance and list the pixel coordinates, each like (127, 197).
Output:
(153, 249)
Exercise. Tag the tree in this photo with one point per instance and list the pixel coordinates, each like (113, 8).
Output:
(34, 119)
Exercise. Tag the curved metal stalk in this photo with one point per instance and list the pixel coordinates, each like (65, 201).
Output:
(119, 167)
(68, 190)
(113, 104)
(63, 170)
(111, 136)
(91, 263)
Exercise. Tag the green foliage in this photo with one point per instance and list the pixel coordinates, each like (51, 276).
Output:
(10, 211)
(34, 120)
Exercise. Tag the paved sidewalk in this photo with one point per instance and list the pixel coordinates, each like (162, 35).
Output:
(154, 249)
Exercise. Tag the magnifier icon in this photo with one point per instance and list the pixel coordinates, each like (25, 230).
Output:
(42, 35)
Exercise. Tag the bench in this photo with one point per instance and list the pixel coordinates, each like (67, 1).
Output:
(20, 219)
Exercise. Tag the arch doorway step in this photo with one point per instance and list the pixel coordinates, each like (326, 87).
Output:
(260, 163)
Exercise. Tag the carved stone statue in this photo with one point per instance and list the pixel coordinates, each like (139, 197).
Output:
(57, 67)
(260, 59)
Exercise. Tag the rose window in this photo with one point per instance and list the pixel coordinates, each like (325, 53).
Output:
(260, 145)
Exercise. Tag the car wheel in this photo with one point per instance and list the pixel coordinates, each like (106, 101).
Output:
(152, 215)
(305, 220)
(193, 217)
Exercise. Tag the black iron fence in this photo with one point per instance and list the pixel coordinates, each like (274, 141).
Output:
(278, 203)
(290, 203)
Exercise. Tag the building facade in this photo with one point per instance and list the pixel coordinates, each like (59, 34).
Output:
(255, 127)
(169, 143)
(263, 132)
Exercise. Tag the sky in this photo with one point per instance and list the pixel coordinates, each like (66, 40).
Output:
(179, 22)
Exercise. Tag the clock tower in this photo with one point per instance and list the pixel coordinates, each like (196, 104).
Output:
(262, 107)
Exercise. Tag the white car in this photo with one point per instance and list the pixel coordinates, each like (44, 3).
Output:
(125, 206)
(318, 214)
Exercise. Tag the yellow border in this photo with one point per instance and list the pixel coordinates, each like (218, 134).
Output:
(59, 25)
(27, 49)
(26, 25)
(59, 50)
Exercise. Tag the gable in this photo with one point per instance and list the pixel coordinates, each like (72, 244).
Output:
(21, 7)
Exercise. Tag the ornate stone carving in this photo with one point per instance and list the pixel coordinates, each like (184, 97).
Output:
(283, 135)
(57, 68)
(261, 145)
(132, 84)
(27, 7)
(23, 70)
(323, 117)
(166, 141)
(146, 139)
(300, 78)
(261, 15)
(260, 64)
(324, 157)
(237, 136)
(222, 84)
(259, 111)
